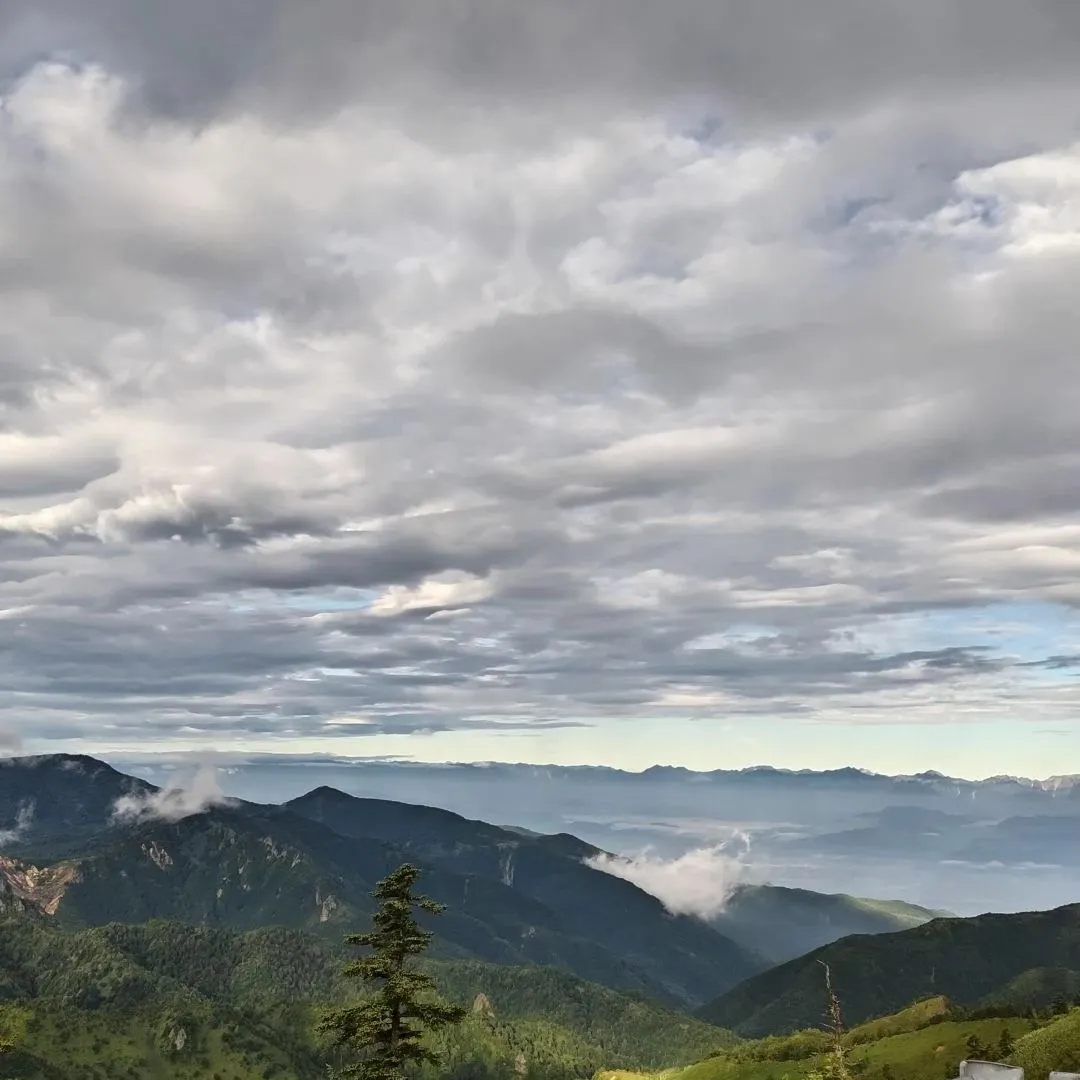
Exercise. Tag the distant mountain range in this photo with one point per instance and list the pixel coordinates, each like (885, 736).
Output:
(253, 779)
(1001, 844)
(312, 864)
(513, 896)
(220, 921)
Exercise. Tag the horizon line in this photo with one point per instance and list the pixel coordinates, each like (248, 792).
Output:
(226, 759)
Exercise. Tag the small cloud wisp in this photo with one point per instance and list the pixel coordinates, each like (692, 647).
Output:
(177, 800)
(23, 820)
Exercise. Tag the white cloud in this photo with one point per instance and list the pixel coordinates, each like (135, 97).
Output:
(23, 820)
(559, 391)
(698, 882)
(444, 592)
(184, 795)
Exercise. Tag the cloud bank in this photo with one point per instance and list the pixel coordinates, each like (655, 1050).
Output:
(431, 368)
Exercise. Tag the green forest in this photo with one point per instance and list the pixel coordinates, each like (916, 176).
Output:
(168, 1000)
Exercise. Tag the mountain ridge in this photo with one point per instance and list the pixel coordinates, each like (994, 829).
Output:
(515, 896)
(251, 864)
(651, 771)
(969, 960)
(164, 999)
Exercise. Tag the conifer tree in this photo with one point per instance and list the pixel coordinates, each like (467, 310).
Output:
(1005, 1044)
(385, 1028)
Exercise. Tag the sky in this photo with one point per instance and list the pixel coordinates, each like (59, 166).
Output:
(602, 382)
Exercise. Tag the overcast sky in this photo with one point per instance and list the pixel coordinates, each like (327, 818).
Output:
(606, 381)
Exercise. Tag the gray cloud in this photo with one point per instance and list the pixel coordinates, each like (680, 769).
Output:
(211, 57)
(422, 368)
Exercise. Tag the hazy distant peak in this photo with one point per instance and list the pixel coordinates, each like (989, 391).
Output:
(67, 762)
(323, 791)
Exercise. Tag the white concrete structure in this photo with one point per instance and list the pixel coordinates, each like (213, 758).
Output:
(989, 1070)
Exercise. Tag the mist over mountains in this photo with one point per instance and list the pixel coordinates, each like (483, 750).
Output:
(94, 846)
(968, 846)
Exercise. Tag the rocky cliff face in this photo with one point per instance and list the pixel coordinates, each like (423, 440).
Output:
(28, 887)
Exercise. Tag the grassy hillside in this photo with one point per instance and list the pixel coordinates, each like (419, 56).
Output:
(926, 1041)
(900, 913)
(1056, 1046)
(937, 1050)
(969, 960)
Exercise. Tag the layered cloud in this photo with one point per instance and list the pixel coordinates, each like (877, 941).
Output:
(372, 373)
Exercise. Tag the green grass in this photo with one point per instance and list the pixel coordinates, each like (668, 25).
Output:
(1053, 1046)
(913, 1018)
(934, 1051)
(919, 1043)
(906, 915)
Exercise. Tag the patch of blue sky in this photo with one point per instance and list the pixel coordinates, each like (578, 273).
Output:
(22, 57)
(985, 209)
(695, 116)
(698, 118)
(706, 127)
(852, 207)
(738, 635)
(1029, 630)
(1026, 633)
(307, 602)
(354, 600)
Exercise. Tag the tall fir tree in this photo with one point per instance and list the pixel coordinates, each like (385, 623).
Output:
(385, 1028)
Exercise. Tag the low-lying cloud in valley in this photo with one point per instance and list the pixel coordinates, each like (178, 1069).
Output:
(698, 882)
(24, 819)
